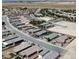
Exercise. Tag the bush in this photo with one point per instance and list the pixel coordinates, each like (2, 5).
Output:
(18, 57)
(12, 55)
(37, 22)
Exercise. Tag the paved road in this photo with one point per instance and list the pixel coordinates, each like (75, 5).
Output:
(34, 40)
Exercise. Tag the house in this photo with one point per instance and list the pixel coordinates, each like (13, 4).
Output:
(33, 30)
(18, 24)
(46, 25)
(61, 39)
(10, 37)
(51, 36)
(21, 47)
(51, 55)
(30, 51)
(40, 33)
(12, 20)
(13, 42)
(44, 52)
(20, 27)
(6, 33)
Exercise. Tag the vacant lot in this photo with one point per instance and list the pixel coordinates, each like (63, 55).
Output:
(62, 5)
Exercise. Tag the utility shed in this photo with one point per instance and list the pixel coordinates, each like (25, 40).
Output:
(10, 37)
(40, 32)
(30, 51)
(51, 36)
(61, 39)
(51, 55)
(22, 46)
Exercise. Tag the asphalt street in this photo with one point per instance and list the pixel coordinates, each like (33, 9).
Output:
(34, 40)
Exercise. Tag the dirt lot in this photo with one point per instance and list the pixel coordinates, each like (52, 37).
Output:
(71, 48)
(62, 5)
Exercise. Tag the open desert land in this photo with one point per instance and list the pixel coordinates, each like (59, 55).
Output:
(69, 27)
(62, 5)
(71, 54)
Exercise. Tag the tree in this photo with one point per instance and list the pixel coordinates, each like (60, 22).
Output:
(3, 23)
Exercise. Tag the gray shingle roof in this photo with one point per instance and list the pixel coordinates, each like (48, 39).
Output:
(10, 37)
(30, 50)
(18, 24)
(51, 36)
(61, 39)
(45, 51)
(15, 21)
(40, 32)
(51, 55)
(22, 46)
(23, 26)
(33, 30)
(13, 40)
